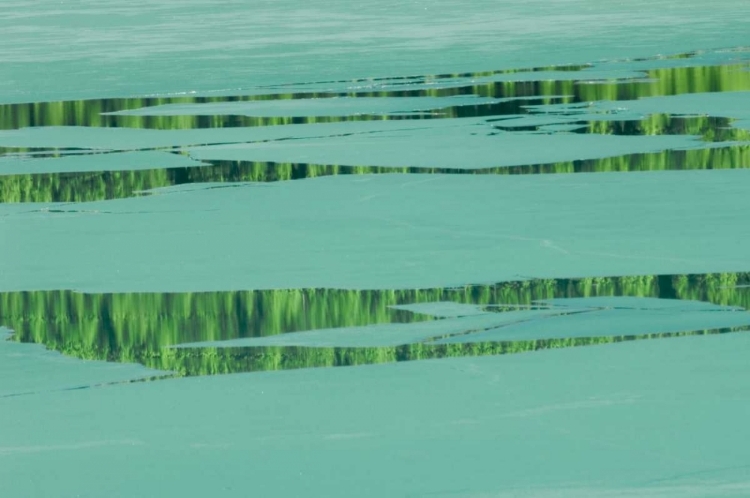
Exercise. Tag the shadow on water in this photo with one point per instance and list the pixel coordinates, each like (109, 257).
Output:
(142, 327)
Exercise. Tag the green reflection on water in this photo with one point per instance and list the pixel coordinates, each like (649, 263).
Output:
(140, 327)
(709, 128)
(655, 82)
(89, 186)
(92, 186)
(215, 361)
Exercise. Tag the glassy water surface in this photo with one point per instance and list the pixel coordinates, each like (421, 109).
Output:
(517, 230)
(676, 113)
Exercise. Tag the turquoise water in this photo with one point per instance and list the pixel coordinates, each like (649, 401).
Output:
(517, 230)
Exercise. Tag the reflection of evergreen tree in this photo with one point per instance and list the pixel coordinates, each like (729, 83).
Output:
(709, 128)
(140, 327)
(656, 82)
(212, 361)
(88, 186)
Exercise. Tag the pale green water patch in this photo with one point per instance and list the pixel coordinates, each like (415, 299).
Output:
(574, 406)
(595, 323)
(26, 369)
(380, 335)
(383, 231)
(725, 104)
(463, 146)
(80, 137)
(122, 162)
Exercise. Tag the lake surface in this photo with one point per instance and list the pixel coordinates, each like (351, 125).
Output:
(519, 232)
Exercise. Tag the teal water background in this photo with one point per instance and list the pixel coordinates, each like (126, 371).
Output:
(519, 228)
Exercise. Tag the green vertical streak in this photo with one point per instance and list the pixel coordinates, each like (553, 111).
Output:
(93, 186)
(656, 82)
(140, 327)
(212, 361)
